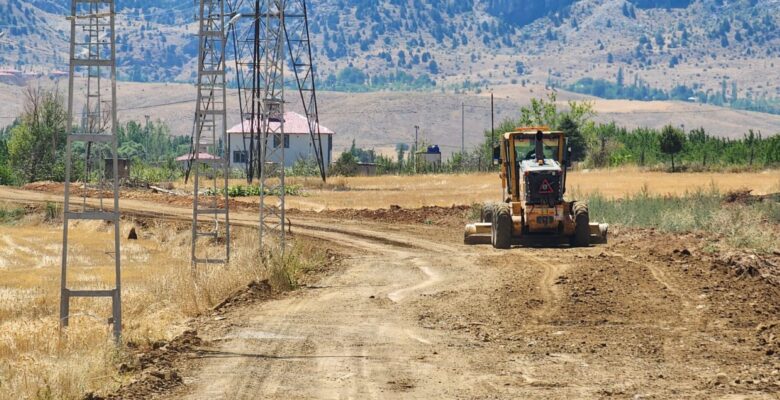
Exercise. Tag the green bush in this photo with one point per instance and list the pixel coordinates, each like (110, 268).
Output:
(254, 190)
(145, 173)
(6, 176)
(53, 212)
(9, 215)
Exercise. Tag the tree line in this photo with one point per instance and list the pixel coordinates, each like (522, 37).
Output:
(727, 96)
(594, 145)
(33, 147)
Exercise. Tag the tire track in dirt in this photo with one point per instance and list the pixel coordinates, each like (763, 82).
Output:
(339, 356)
(688, 310)
(432, 277)
(547, 288)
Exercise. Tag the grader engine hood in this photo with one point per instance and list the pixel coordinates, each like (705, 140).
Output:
(543, 183)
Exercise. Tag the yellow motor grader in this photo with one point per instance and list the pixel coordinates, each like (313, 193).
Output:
(534, 162)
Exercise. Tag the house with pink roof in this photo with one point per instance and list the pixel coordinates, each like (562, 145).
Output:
(297, 141)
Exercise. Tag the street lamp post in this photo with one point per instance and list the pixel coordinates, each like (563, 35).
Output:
(416, 131)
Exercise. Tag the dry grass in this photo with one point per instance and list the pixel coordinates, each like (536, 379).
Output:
(159, 293)
(446, 190)
(452, 189)
(752, 226)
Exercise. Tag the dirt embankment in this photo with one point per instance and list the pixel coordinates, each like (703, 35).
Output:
(144, 194)
(455, 215)
(156, 368)
(428, 215)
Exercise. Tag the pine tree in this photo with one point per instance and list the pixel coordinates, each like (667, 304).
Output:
(671, 142)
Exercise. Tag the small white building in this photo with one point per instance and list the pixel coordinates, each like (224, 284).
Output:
(297, 141)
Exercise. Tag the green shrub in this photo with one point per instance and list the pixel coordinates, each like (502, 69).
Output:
(6, 176)
(254, 190)
(749, 226)
(52, 212)
(9, 215)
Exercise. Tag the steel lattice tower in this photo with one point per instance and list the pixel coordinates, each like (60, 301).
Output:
(264, 33)
(93, 56)
(296, 30)
(260, 59)
(272, 137)
(210, 132)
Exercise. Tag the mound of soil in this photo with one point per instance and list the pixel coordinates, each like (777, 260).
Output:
(146, 194)
(156, 367)
(743, 264)
(428, 215)
(252, 292)
(745, 196)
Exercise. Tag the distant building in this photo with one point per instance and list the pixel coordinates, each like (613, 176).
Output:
(57, 74)
(189, 156)
(431, 158)
(297, 141)
(123, 170)
(366, 169)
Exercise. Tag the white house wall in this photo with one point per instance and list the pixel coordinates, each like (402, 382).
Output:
(300, 148)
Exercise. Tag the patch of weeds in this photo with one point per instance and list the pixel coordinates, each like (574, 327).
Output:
(711, 249)
(52, 212)
(746, 226)
(9, 215)
(254, 190)
(475, 211)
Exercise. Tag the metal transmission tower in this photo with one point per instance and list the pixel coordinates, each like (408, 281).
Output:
(263, 31)
(93, 56)
(260, 57)
(210, 132)
(296, 29)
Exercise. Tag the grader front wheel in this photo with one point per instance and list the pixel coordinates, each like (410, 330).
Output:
(502, 227)
(581, 236)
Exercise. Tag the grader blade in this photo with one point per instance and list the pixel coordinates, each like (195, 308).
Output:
(598, 233)
(478, 233)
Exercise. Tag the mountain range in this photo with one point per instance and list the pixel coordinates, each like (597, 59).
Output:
(454, 46)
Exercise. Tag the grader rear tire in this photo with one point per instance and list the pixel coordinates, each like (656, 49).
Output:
(501, 229)
(487, 212)
(581, 236)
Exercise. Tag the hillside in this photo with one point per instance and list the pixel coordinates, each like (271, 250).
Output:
(463, 45)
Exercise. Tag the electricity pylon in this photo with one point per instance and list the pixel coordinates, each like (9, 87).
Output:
(210, 134)
(296, 29)
(264, 33)
(93, 55)
(260, 54)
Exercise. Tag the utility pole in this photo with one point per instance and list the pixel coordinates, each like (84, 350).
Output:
(93, 54)
(416, 131)
(462, 135)
(462, 128)
(146, 138)
(209, 130)
(492, 122)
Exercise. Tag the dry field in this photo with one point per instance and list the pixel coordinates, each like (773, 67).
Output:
(448, 190)
(159, 295)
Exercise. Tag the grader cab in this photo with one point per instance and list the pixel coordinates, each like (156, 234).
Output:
(534, 163)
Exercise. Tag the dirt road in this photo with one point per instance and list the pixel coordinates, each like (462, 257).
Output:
(414, 314)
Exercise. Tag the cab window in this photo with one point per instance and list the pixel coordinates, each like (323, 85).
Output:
(525, 148)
